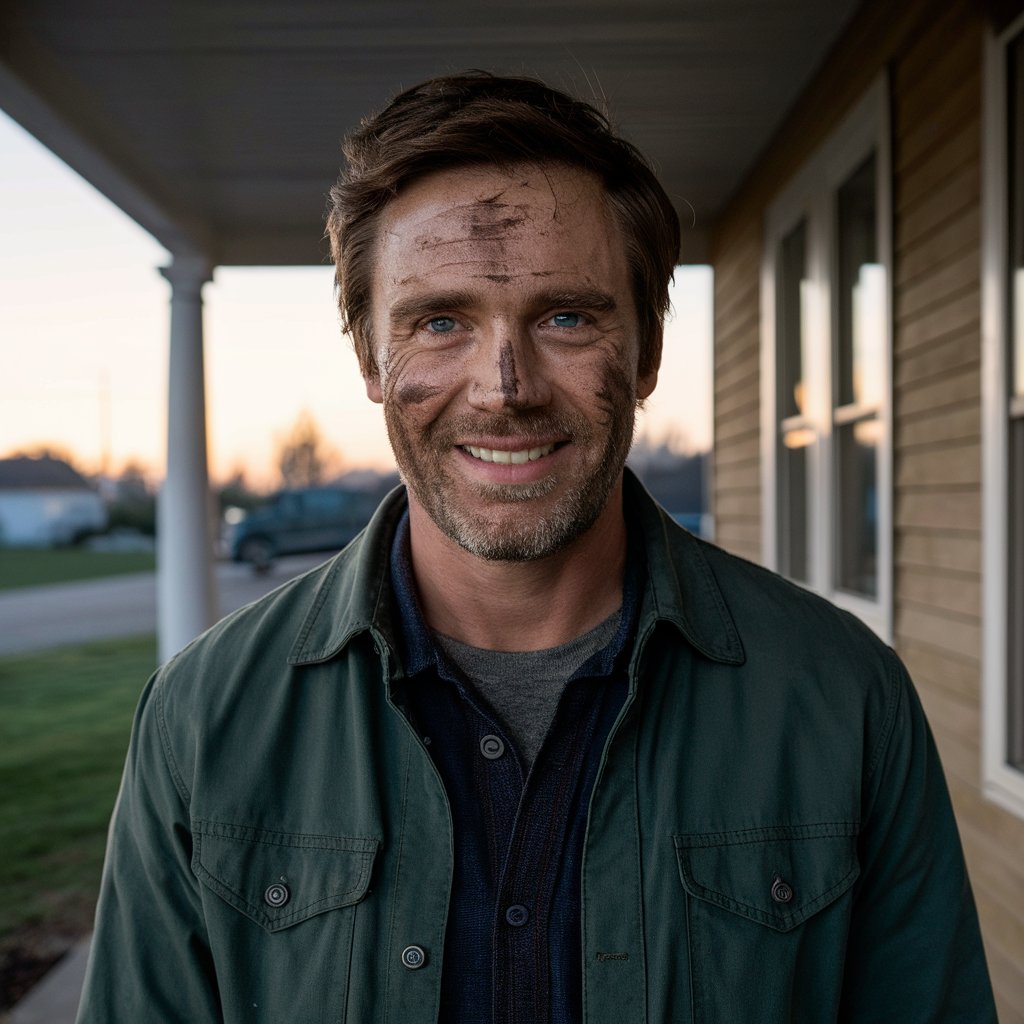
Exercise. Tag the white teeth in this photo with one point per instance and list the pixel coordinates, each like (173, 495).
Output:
(506, 457)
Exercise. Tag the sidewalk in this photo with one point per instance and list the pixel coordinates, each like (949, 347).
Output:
(55, 999)
(37, 618)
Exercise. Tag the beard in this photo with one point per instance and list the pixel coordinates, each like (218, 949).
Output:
(519, 522)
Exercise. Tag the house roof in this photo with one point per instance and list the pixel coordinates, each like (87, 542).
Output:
(217, 125)
(24, 473)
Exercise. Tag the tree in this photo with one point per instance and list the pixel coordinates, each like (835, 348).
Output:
(303, 457)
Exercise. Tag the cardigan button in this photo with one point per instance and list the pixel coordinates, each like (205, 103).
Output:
(517, 915)
(782, 892)
(492, 747)
(413, 957)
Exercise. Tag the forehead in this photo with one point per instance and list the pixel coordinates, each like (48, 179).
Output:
(499, 225)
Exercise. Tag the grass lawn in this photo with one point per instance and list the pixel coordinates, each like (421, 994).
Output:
(65, 716)
(26, 567)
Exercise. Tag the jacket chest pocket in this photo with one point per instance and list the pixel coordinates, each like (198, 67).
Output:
(768, 913)
(281, 921)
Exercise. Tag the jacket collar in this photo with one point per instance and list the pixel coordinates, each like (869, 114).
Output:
(354, 595)
(354, 591)
(681, 586)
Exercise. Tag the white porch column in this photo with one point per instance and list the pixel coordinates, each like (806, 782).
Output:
(186, 599)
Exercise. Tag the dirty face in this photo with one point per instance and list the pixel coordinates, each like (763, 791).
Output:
(507, 340)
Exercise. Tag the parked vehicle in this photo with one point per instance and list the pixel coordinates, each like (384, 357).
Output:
(298, 521)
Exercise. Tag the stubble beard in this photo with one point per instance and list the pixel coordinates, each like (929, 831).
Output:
(517, 532)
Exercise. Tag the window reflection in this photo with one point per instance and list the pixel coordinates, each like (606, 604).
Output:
(859, 383)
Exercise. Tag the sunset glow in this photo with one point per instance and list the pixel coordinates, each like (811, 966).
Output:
(84, 328)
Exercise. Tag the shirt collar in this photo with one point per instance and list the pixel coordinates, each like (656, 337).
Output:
(356, 591)
(420, 650)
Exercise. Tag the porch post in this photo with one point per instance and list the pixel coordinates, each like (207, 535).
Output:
(186, 599)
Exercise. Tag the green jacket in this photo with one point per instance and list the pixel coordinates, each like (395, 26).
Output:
(769, 839)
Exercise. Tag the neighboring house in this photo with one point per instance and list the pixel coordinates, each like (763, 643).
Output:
(45, 502)
(869, 388)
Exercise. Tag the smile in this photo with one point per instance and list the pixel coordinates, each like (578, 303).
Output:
(508, 458)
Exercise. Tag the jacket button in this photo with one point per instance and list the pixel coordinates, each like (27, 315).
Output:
(413, 957)
(782, 892)
(517, 915)
(277, 894)
(491, 747)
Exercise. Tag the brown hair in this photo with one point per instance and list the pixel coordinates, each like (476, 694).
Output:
(478, 118)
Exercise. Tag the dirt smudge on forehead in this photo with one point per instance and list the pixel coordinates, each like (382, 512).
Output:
(482, 231)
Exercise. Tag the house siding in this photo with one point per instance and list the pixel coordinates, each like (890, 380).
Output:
(935, 75)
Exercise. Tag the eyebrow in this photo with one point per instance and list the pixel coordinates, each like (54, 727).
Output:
(417, 306)
(592, 300)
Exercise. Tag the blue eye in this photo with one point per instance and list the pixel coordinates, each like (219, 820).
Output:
(567, 319)
(441, 325)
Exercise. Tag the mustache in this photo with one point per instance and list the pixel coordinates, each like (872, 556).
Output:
(530, 425)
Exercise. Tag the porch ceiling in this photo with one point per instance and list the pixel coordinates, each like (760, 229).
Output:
(216, 123)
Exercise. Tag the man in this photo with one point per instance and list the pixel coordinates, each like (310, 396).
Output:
(526, 751)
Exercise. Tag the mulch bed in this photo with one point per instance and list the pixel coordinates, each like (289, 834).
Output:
(26, 958)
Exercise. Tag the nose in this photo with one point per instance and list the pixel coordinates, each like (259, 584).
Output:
(507, 376)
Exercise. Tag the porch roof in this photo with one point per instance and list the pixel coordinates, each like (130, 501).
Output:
(216, 126)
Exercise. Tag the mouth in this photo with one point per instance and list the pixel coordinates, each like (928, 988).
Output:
(508, 458)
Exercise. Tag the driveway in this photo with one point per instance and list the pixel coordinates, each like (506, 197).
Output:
(36, 618)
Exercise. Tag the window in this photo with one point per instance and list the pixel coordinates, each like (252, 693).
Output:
(1003, 418)
(826, 451)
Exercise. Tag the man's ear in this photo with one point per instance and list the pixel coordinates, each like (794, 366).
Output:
(374, 392)
(645, 385)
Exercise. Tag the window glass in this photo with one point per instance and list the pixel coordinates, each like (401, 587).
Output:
(795, 438)
(793, 497)
(858, 382)
(1015, 468)
(1015, 595)
(857, 446)
(790, 327)
(1015, 109)
(861, 296)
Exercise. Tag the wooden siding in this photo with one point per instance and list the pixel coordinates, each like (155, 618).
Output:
(934, 65)
(736, 488)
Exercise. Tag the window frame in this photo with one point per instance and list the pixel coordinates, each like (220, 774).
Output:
(811, 195)
(1002, 782)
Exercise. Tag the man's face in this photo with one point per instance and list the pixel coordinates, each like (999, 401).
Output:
(506, 338)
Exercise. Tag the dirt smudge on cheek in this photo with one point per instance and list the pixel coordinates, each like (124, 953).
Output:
(617, 398)
(415, 392)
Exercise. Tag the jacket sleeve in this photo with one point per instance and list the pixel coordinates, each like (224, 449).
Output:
(150, 959)
(915, 951)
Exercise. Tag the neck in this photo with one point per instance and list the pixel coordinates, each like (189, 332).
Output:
(519, 606)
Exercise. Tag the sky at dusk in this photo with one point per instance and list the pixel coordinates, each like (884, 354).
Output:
(84, 329)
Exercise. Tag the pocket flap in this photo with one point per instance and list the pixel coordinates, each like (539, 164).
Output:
(281, 878)
(776, 876)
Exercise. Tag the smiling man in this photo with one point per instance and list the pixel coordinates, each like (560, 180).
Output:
(526, 751)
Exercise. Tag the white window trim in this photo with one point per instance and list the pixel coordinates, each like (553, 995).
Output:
(810, 194)
(1001, 782)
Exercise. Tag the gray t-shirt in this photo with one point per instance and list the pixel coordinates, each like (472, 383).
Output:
(522, 688)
